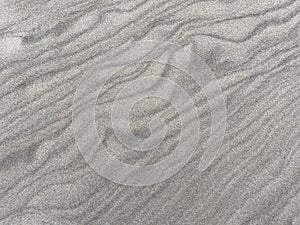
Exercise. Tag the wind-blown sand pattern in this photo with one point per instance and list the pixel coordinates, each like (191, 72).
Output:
(252, 47)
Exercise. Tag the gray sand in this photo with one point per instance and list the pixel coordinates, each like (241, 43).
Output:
(252, 47)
